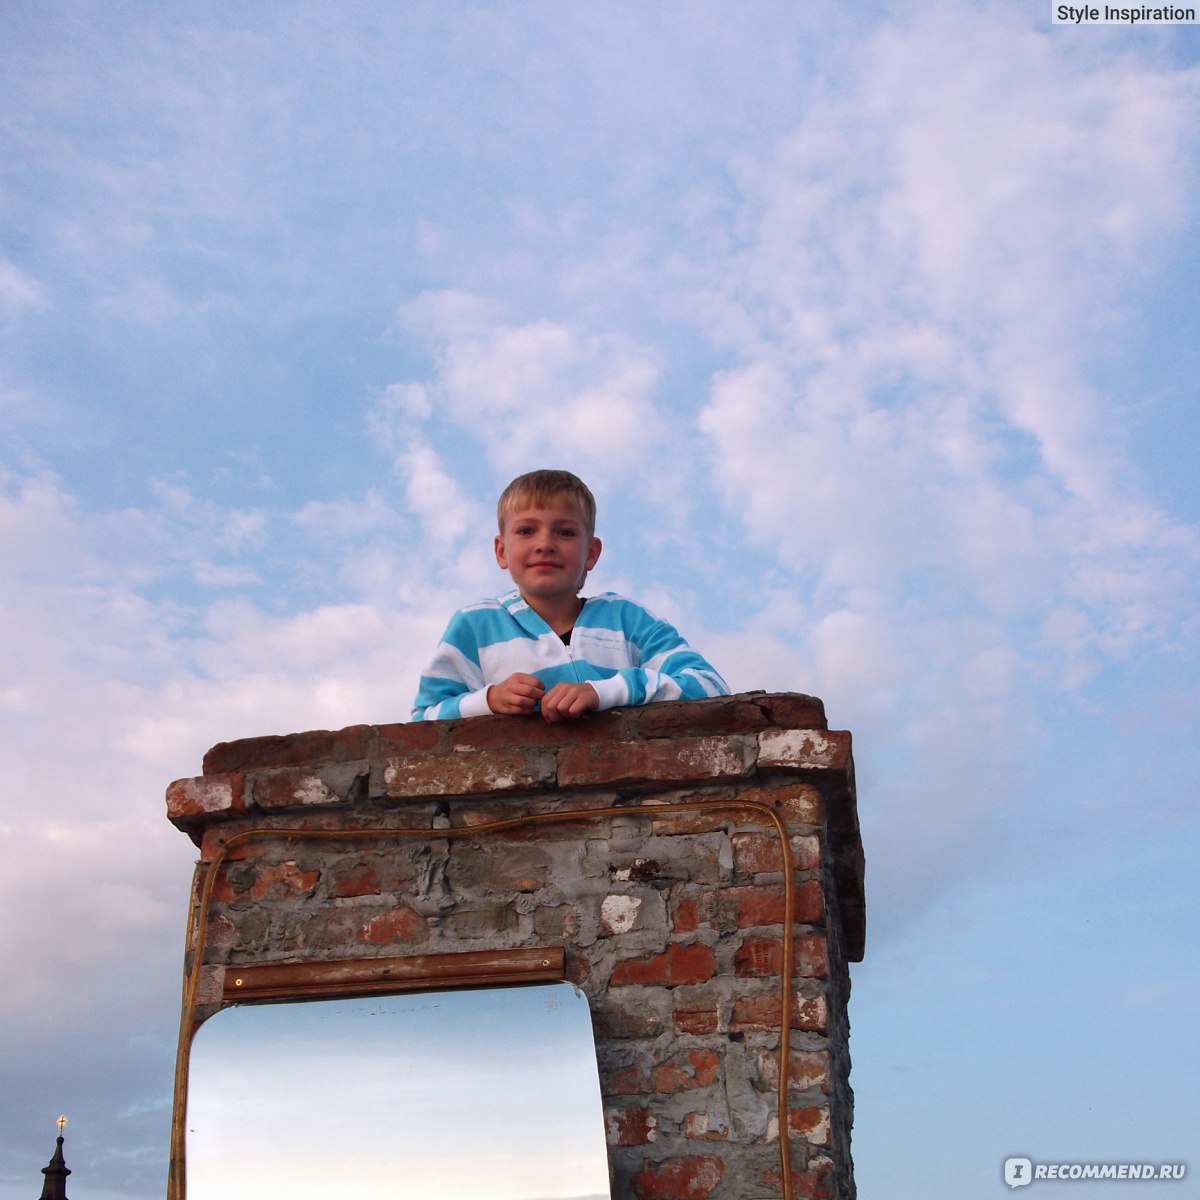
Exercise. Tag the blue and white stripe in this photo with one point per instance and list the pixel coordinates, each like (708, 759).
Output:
(624, 651)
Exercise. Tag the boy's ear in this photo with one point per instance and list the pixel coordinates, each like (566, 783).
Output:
(593, 552)
(501, 557)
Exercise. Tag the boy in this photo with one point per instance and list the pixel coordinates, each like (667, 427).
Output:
(544, 646)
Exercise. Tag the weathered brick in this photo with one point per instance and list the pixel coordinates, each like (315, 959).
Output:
(690, 1178)
(803, 750)
(685, 1071)
(812, 1121)
(679, 964)
(398, 925)
(685, 914)
(816, 1182)
(764, 905)
(730, 714)
(763, 957)
(696, 1021)
(633, 1126)
(462, 774)
(679, 760)
(809, 1069)
(761, 852)
(415, 737)
(358, 879)
(626, 1082)
(697, 1009)
(193, 803)
(300, 787)
(704, 1126)
(632, 1013)
(291, 750)
(707, 813)
(507, 732)
(763, 1013)
(283, 880)
(794, 710)
(796, 803)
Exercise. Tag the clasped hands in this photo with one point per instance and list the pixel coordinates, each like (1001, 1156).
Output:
(521, 693)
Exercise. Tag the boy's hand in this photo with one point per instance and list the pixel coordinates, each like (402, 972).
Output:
(566, 700)
(519, 693)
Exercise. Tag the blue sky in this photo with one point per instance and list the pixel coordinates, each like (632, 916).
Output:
(874, 330)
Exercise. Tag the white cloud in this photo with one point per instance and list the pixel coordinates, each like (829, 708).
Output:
(538, 393)
(18, 291)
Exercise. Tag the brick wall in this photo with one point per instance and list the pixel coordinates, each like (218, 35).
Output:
(656, 850)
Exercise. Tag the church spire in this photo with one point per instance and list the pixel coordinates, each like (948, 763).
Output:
(55, 1187)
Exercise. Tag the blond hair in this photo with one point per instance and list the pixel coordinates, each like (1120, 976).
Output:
(538, 487)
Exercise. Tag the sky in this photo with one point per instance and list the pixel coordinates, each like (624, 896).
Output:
(874, 330)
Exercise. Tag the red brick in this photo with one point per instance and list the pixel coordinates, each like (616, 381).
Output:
(508, 733)
(291, 750)
(680, 964)
(284, 879)
(681, 1073)
(708, 814)
(468, 773)
(762, 1013)
(675, 719)
(215, 840)
(634, 1126)
(794, 710)
(759, 958)
(232, 881)
(757, 906)
(361, 879)
(804, 750)
(809, 1069)
(811, 1121)
(811, 956)
(680, 760)
(796, 803)
(399, 925)
(759, 852)
(690, 1178)
(410, 737)
(685, 916)
(696, 1020)
(193, 804)
(815, 1183)
(626, 1082)
(299, 787)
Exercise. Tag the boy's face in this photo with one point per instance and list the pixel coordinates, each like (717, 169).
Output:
(548, 551)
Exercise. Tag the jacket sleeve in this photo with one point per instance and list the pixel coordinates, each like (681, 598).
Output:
(667, 667)
(453, 684)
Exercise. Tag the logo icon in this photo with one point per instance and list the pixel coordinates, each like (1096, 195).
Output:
(1018, 1172)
